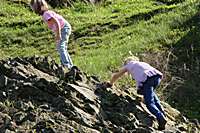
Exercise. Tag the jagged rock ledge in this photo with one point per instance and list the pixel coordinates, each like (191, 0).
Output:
(37, 96)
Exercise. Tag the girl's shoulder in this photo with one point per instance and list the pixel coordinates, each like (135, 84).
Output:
(49, 12)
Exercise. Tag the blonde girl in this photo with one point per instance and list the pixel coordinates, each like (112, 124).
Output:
(147, 79)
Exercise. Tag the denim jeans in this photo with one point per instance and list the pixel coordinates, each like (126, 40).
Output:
(151, 100)
(62, 46)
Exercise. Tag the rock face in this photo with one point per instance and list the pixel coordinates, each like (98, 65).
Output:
(36, 95)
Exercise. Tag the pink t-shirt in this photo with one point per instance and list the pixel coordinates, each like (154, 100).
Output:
(140, 71)
(48, 15)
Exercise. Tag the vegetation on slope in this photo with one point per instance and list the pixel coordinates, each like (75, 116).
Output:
(103, 35)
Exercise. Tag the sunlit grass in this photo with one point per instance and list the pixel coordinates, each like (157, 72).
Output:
(31, 36)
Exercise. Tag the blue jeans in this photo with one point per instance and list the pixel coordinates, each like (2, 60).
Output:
(151, 100)
(62, 46)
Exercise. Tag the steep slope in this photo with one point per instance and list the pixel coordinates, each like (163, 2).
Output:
(36, 97)
(103, 35)
(183, 91)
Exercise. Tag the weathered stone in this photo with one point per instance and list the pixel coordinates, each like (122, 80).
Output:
(31, 116)
(8, 131)
(19, 117)
(19, 105)
(44, 106)
(142, 130)
(38, 100)
(7, 120)
(3, 81)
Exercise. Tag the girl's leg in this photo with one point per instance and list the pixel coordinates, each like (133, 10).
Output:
(157, 81)
(62, 48)
(150, 102)
(158, 105)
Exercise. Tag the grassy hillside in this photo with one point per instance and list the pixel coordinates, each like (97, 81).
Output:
(103, 35)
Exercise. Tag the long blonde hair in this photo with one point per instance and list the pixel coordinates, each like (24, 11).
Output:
(39, 6)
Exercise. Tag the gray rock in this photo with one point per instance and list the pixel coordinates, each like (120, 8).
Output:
(34, 98)
(3, 81)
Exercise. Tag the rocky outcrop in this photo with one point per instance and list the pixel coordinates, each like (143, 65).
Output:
(38, 96)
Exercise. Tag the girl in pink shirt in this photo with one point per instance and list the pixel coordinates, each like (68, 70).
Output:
(147, 79)
(60, 27)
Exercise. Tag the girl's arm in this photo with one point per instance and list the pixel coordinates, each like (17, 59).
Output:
(117, 75)
(52, 20)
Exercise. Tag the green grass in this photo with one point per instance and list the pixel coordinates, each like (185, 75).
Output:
(138, 27)
(102, 35)
(143, 35)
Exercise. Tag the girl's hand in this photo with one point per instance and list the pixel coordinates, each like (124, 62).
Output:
(107, 84)
(58, 38)
(54, 21)
(57, 46)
